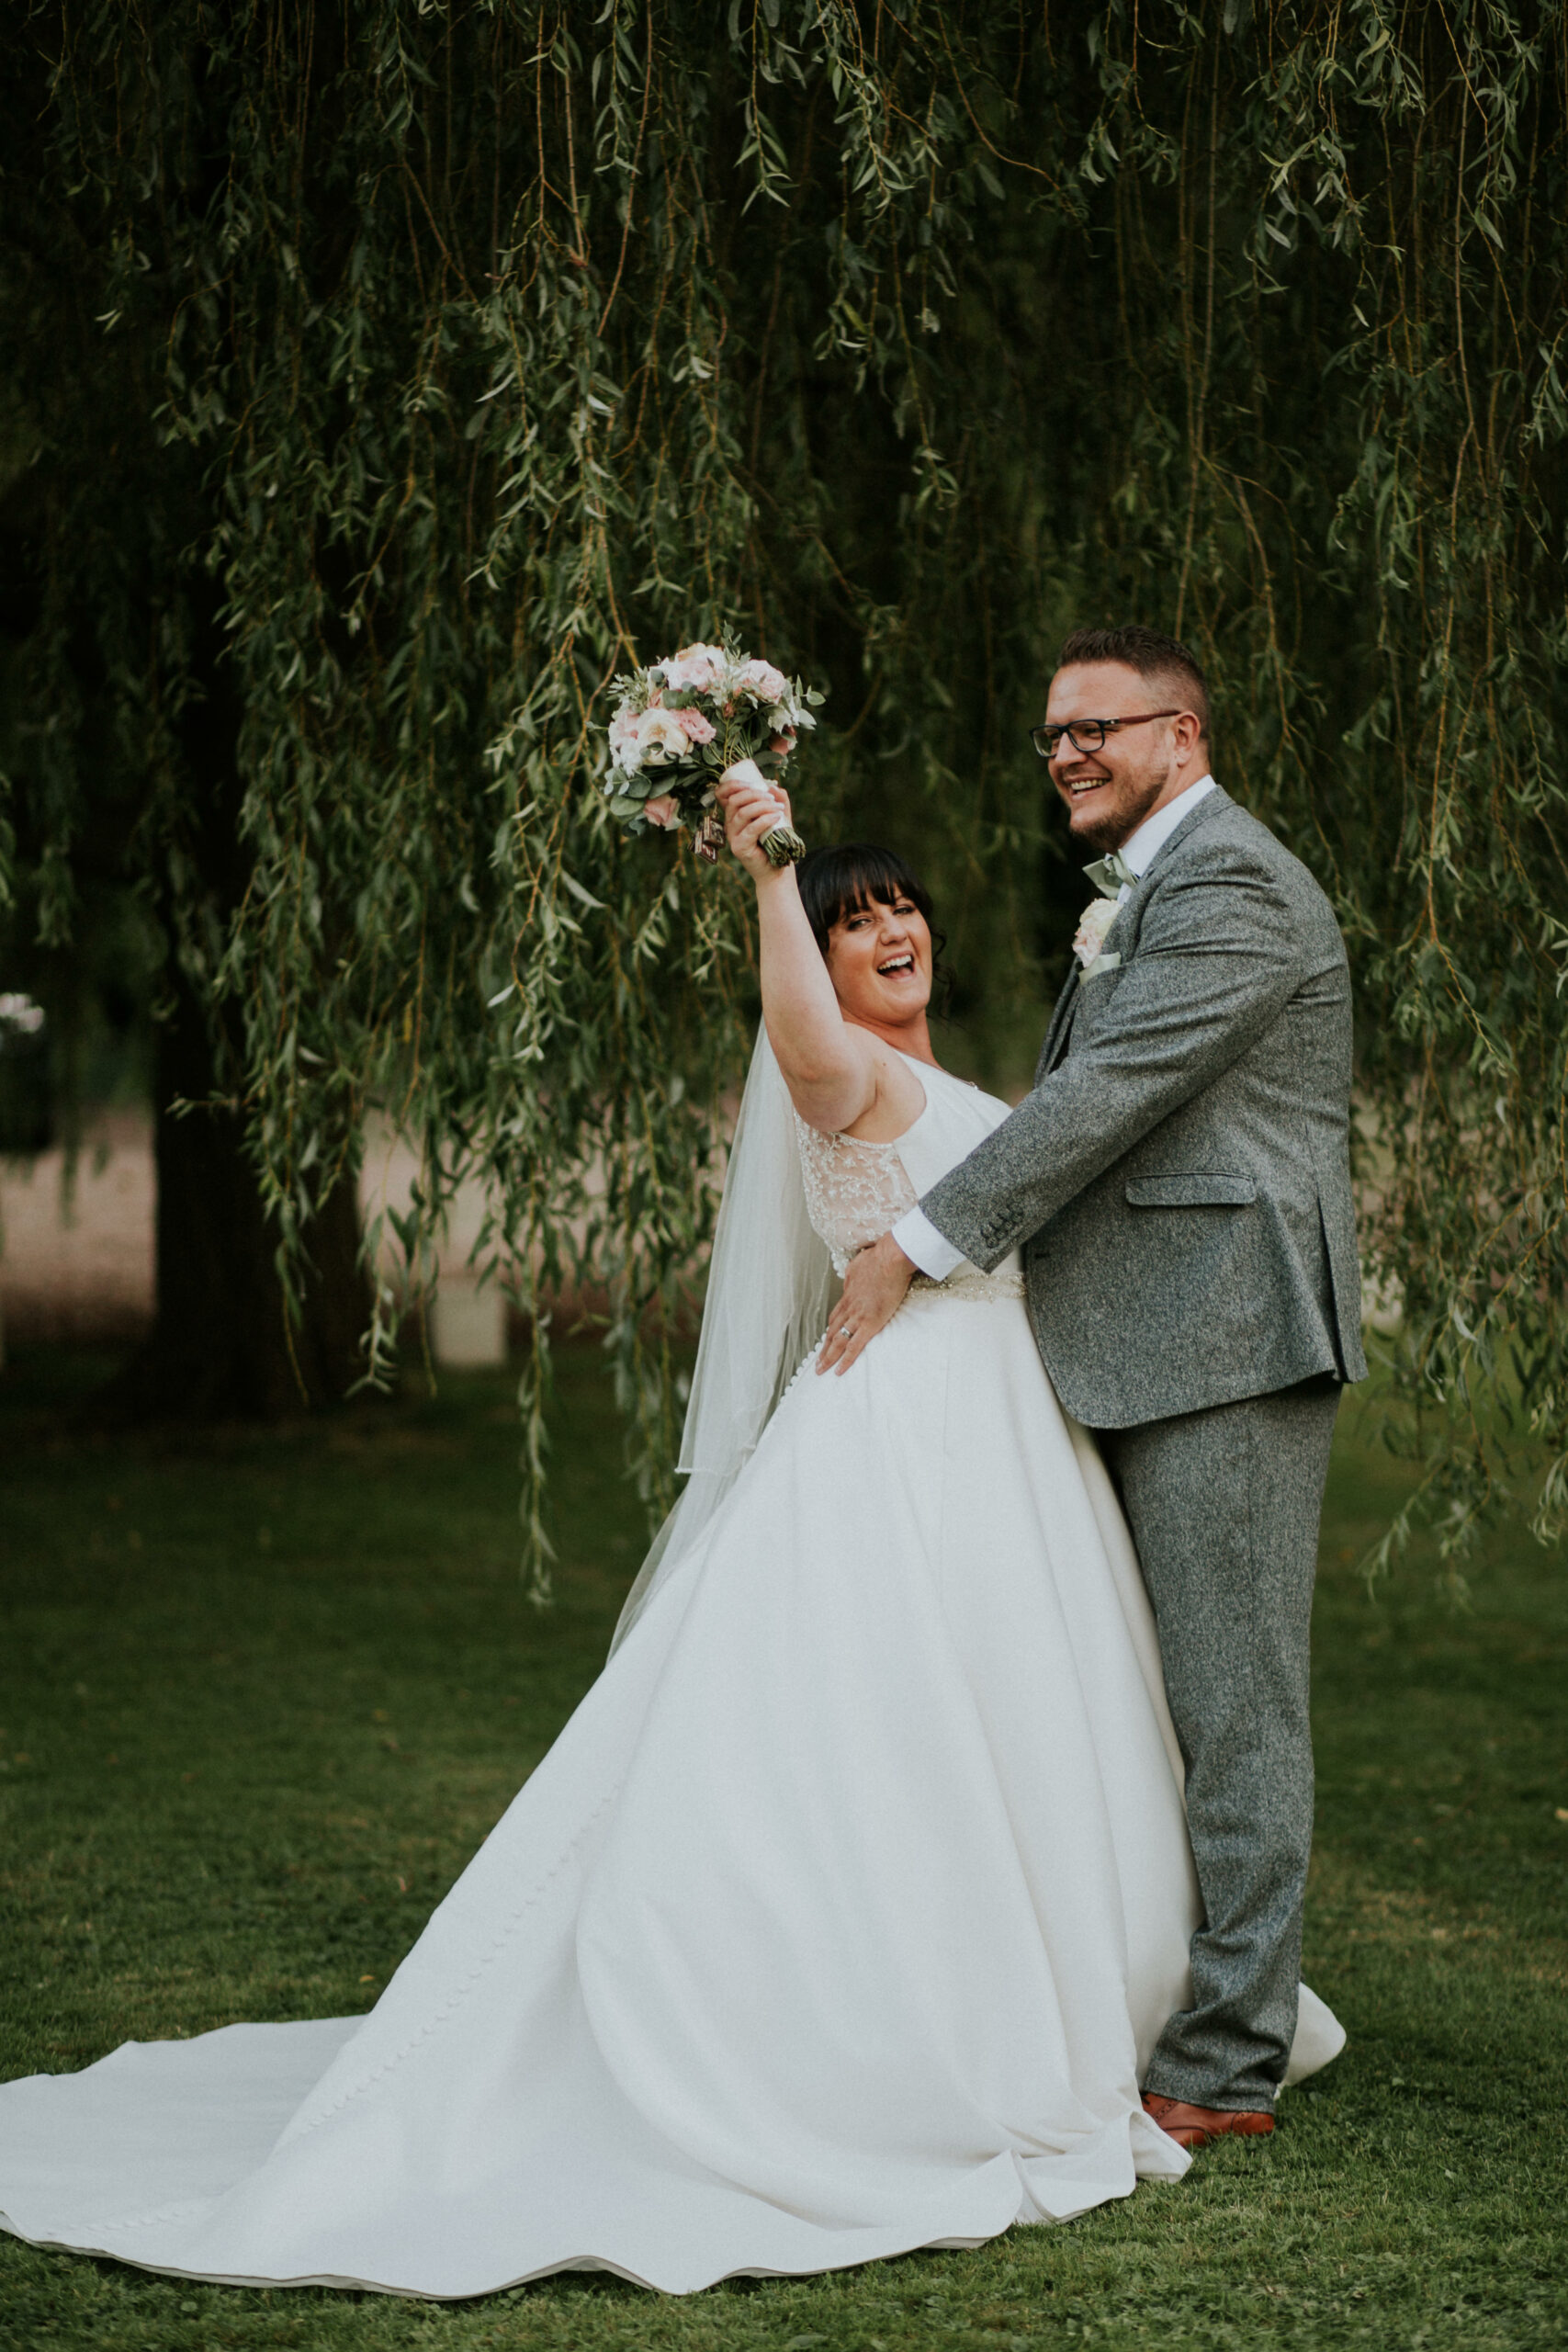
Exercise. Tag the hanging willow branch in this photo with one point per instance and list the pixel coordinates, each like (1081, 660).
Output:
(467, 353)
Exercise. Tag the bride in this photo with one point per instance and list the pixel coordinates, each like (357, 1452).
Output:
(843, 1914)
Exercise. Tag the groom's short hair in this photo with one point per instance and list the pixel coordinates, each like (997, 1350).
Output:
(1150, 652)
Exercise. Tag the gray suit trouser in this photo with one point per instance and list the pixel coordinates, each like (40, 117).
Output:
(1223, 1506)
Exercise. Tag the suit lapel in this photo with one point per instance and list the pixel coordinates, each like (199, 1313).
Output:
(1058, 1034)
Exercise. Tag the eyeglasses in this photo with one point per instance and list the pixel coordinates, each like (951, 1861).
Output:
(1086, 735)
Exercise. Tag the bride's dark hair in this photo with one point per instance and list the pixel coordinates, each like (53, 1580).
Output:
(838, 881)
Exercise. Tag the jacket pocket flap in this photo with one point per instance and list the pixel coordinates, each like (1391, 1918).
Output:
(1202, 1189)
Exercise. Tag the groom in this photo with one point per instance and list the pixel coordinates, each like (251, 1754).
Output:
(1179, 1182)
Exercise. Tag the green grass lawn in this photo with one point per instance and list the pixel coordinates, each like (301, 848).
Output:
(261, 1696)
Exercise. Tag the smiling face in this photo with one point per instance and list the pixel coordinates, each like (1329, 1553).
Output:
(1108, 793)
(879, 960)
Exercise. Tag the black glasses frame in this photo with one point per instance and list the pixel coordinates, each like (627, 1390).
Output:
(1045, 739)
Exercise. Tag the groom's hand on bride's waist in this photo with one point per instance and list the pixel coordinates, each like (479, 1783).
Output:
(873, 1292)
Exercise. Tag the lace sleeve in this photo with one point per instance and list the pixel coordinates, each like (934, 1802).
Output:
(854, 1192)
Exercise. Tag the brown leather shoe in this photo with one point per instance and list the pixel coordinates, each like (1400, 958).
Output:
(1194, 2127)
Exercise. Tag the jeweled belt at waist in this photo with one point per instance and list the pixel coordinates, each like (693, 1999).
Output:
(968, 1282)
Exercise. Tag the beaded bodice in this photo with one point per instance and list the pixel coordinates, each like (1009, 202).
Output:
(854, 1192)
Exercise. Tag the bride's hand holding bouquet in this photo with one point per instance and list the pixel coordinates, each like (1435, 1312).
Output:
(691, 718)
(754, 811)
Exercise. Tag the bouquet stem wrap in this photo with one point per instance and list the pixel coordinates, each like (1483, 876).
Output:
(783, 847)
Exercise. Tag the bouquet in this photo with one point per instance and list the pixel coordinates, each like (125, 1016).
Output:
(680, 722)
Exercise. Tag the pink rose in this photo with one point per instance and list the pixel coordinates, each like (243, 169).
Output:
(699, 728)
(783, 745)
(763, 683)
(625, 741)
(663, 812)
(695, 669)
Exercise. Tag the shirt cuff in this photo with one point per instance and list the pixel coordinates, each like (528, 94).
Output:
(930, 1250)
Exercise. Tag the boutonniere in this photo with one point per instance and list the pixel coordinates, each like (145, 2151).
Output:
(1093, 925)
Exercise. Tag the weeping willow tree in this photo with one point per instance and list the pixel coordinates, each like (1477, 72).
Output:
(389, 376)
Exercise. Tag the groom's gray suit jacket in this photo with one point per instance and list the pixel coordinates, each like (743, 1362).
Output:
(1178, 1176)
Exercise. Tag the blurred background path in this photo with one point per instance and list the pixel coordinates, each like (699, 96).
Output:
(76, 1257)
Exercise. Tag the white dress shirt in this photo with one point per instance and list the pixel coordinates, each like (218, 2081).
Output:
(918, 1237)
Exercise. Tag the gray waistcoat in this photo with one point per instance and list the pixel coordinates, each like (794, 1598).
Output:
(1180, 1176)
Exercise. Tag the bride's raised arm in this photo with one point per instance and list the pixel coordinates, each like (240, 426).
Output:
(831, 1068)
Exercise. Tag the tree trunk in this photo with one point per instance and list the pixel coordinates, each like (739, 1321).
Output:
(222, 1346)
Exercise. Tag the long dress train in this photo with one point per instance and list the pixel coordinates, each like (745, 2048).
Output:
(839, 1920)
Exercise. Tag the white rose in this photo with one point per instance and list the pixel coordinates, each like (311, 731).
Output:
(661, 739)
(1094, 923)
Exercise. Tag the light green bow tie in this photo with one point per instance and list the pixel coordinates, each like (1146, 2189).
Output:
(1109, 873)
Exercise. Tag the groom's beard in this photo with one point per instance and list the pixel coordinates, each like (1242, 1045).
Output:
(1102, 838)
(1125, 805)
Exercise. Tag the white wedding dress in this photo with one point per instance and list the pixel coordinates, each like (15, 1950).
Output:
(839, 1920)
